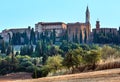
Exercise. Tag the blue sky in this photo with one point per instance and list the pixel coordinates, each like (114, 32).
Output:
(23, 13)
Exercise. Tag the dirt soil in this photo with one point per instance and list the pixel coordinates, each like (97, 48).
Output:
(15, 76)
(111, 75)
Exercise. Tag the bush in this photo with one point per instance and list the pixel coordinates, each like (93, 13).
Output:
(92, 58)
(43, 72)
(54, 62)
(3, 71)
(30, 68)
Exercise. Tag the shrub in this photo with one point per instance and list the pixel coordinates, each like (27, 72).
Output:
(92, 58)
(54, 62)
(30, 68)
(3, 71)
(42, 72)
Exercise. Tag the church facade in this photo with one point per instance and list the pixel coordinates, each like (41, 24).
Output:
(80, 32)
(77, 32)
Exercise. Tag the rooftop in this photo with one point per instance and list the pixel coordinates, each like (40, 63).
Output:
(50, 23)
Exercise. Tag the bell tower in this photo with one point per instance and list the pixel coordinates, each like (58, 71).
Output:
(97, 24)
(87, 15)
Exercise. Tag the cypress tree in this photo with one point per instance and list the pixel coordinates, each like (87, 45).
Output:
(3, 48)
(80, 36)
(32, 36)
(54, 36)
(85, 38)
(76, 38)
(73, 38)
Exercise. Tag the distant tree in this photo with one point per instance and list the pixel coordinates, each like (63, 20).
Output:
(25, 37)
(65, 46)
(108, 52)
(32, 36)
(92, 58)
(85, 38)
(41, 48)
(54, 62)
(9, 38)
(72, 59)
(85, 47)
(3, 47)
(9, 50)
(76, 38)
(44, 58)
(64, 36)
(38, 36)
(26, 50)
(73, 38)
(80, 36)
(54, 36)
(18, 38)
(30, 50)
(74, 45)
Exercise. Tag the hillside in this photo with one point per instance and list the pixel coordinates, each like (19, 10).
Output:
(111, 75)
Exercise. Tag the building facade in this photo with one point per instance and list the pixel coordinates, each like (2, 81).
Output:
(59, 28)
(104, 30)
(8, 33)
(80, 30)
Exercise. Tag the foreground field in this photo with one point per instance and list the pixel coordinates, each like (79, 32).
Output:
(112, 75)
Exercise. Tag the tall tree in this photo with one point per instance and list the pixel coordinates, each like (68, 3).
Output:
(54, 36)
(25, 37)
(85, 37)
(32, 36)
(9, 38)
(9, 50)
(76, 38)
(73, 38)
(80, 36)
(3, 47)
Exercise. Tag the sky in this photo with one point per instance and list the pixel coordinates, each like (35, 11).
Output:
(24, 13)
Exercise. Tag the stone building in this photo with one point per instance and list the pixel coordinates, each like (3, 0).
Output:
(81, 30)
(59, 28)
(104, 30)
(9, 32)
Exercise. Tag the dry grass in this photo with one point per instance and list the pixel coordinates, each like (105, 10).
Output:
(112, 75)
(15, 76)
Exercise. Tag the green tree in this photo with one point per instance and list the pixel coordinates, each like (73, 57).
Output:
(108, 52)
(85, 38)
(54, 62)
(3, 47)
(65, 36)
(76, 38)
(72, 59)
(54, 36)
(25, 37)
(73, 38)
(32, 36)
(80, 36)
(9, 50)
(92, 58)
(65, 46)
(9, 38)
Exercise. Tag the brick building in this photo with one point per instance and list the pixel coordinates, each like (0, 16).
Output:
(80, 29)
(9, 32)
(104, 30)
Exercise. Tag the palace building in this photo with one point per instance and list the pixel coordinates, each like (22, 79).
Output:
(59, 27)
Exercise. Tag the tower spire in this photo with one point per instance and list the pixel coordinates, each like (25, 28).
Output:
(87, 15)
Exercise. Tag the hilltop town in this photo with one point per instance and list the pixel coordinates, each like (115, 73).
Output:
(56, 48)
(79, 32)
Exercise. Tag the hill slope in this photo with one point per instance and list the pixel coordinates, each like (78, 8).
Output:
(111, 75)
